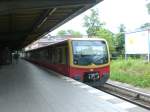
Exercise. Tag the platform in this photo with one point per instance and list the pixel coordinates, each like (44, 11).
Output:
(25, 87)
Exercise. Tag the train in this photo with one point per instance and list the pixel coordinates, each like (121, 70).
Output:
(83, 59)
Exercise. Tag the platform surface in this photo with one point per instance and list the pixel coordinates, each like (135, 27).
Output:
(25, 87)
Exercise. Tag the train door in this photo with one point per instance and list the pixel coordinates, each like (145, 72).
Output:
(61, 60)
(65, 60)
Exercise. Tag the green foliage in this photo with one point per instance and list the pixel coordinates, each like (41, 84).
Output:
(131, 71)
(148, 7)
(106, 34)
(122, 28)
(120, 40)
(120, 43)
(68, 32)
(145, 25)
(92, 23)
(62, 33)
(74, 33)
(95, 28)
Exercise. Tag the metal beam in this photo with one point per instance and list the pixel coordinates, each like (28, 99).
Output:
(14, 7)
(40, 21)
(67, 18)
(44, 17)
(7, 7)
(62, 21)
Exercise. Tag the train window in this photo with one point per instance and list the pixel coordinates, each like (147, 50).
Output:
(41, 54)
(50, 55)
(35, 55)
(87, 52)
(60, 52)
(44, 55)
(28, 54)
(58, 55)
(64, 55)
(53, 56)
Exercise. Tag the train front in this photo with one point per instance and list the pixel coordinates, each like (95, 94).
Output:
(89, 61)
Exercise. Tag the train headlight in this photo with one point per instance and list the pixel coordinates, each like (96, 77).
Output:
(91, 70)
(75, 62)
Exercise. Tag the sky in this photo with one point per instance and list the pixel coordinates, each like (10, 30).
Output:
(131, 13)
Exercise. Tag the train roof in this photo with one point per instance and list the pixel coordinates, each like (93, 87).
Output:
(86, 38)
(66, 39)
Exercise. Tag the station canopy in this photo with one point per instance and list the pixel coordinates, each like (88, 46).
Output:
(24, 21)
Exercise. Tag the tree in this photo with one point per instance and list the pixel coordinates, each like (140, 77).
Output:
(120, 40)
(148, 7)
(74, 33)
(145, 26)
(92, 23)
(109, 36)
(122, 28)
(61, 33)
(69, 32)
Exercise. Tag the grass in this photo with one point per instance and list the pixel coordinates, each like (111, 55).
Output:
(132, 71)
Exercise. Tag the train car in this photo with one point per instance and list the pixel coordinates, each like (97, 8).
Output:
(84, 59)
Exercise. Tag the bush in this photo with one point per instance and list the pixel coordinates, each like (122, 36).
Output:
(131, 71)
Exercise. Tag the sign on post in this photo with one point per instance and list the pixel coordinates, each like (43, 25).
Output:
(137, 43)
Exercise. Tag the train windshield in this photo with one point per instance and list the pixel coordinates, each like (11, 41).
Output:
(88, 52)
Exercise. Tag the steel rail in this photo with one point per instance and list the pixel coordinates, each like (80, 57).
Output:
(133, 96)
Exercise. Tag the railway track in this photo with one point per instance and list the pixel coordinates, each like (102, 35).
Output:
(133, 96)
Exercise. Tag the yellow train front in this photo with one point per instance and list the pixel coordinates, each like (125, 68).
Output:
(84, 59)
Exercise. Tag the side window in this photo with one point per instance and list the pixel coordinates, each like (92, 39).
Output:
(64, 55)
(28, 54)
(46, 52)
(53, 55)
(37, 54)
(58, 55)
(50, 55)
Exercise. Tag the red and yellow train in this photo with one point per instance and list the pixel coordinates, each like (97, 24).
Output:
(83, 59)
